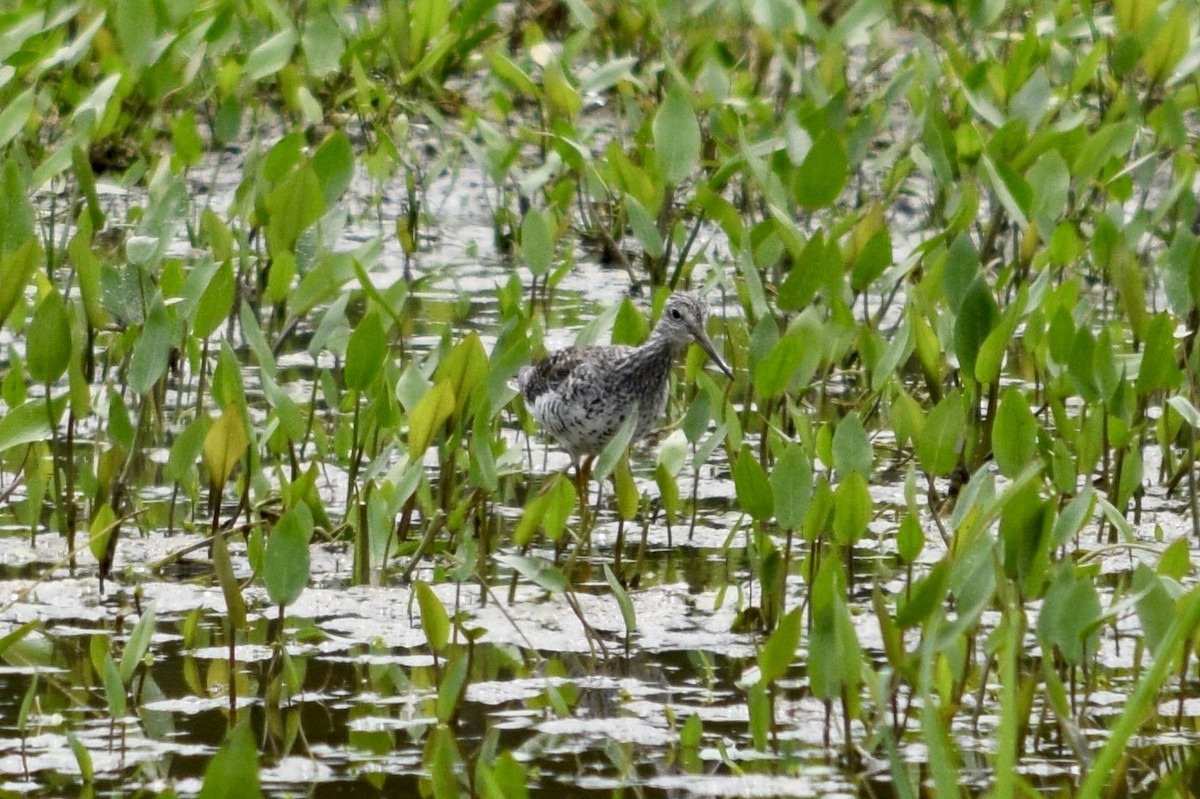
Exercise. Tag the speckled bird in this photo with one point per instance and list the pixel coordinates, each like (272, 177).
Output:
(582, 395)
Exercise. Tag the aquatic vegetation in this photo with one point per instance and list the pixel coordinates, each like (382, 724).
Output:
(934, 534)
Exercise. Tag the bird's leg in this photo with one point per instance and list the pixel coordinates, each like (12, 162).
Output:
(583, 478)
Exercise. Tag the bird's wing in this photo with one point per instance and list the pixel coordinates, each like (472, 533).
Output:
(569, 364)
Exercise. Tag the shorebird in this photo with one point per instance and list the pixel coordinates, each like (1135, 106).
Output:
(582, 395)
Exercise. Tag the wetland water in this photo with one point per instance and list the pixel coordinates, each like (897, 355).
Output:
(354, 716)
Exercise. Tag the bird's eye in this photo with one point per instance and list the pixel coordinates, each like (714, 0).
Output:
(675, 314)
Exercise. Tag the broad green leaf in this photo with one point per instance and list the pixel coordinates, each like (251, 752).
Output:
(215, 302)
(233, 771)
(431, 412)
(286, 562)
(910, 538)
(224, 445)
(136, 30)
(297, 203)
(153, 349)
(974, 322)
(927, 596)
(365, 353)
(14, 116)
(941, 435)
(114, 689)
(852, 450)
(1158, 369)
(48, 347)
(614, 450)
(16, 231)
(774, 373)
(1014, 436)
(752, 486)
(1169, 45)
(791, 486)
(271, 55)
(852, 508)
(676, 136)
(465, 366)
(644, 227)
(537, 243)
(539, 570)
(628, 497)
(834, 654)
(450, 690)
(1070, 610)
(779, 650)
(333, 164)
(820, 179)
(434, 619)
(104, 525)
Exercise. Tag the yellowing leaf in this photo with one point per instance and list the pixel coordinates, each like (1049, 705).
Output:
(431, 412)
(224, 445)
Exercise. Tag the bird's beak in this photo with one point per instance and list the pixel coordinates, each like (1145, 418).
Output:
(706, 344)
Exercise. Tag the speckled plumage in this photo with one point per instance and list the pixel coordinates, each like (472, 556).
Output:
(582, 395)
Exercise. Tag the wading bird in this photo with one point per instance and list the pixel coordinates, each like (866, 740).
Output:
(582, 395)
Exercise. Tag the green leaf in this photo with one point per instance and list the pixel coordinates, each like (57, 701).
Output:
(614, 450)
(1070, 610)
(1014, 436)
(14, 116)
(215, 302)
(231, 589)
(434, 619)
(644, 227)
(431, 412)
(137, 645)
(852, 508)
(271, 55)
(16, 269)
(136, 29)
(153, 349)
(224, 445)
(910, 538)
(852, 450)
(822, 176)
(1158, 369)
(791, 486)
(538, 570)
(753, 489)
(834, 654)
(450, 690)
(780, 648)
(294, 205)
(774, 373)
(287, 559)
(1169, 45)
(233, 771)
(974, 322)
(83, 759)
(941, 435)
(333, 164)
(365, 353)
(114, 689)
(48, 346)
(30, 422)
(104, 525)
(537, 243)
(926, 597)
(623, 601)
(676, 136)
